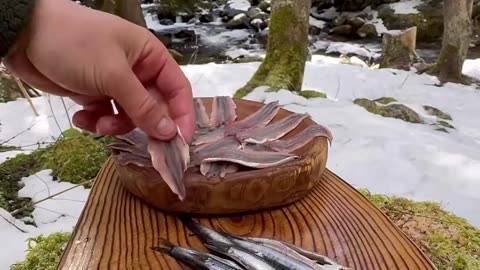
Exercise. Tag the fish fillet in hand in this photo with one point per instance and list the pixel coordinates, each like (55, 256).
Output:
(170, 160)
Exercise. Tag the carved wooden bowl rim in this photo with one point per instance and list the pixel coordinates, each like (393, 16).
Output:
(141, 180)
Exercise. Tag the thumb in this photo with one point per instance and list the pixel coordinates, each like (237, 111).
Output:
(147, 112)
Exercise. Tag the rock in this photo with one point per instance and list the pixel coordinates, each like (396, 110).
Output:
(322, 4)
(230, 13)
(353, 5)
(9, 90)
(247, 59)
(166, 22)
(314, 31)
(342, 30)
(385, 100)
(429, 20)
(308, 94)
(261, 15)
(340, 20)
(436, 112)
(185, 34)
(355, 22)
(398, 111)
(258, 24)
(207, 18)
(445, 124)
(264, 6)
(253, 11)
(367, 31)
(238, 22)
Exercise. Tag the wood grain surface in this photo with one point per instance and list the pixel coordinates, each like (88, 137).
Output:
(242, 191)
(116, 229)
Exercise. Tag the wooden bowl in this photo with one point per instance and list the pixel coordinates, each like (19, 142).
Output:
(244, 191)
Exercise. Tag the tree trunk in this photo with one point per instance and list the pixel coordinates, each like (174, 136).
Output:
(399, 49)
(457, 35)
(129, 10)
(287, 51)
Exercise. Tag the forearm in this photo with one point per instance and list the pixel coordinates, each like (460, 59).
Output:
(14, 16)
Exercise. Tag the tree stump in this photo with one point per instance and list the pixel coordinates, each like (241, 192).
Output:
(399, 49)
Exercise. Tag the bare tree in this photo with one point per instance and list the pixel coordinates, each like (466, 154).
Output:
(457, 35)
(287, 51)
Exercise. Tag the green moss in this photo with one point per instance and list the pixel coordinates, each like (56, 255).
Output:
(312, 94)
(284, 64)
(11, 172)
(385, 100)
(429, 21)
(445, 124)
(450, 241)
(398, 111)
(436, 112)
(76, 157)
(44, 253)
(6, 148)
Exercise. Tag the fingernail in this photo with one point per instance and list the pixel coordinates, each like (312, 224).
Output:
(166, 126)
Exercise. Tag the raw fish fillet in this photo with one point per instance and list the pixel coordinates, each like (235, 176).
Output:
(273, 131)
(201, 116)
(223, 111)
(301, 139)
(258, 119)
(170, 160)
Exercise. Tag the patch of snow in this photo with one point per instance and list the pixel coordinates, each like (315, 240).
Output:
(234, 53)
(10, 154)
(20, 126)
(385, 155)
(239, 16)
(317, 23)
(58, 214)
(471, 67)
(344, 48)
(406, 7)
(327, 14)
(239, 4)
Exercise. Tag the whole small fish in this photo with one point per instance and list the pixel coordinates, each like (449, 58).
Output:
(241, 256)
(206, 235)
(195, 258)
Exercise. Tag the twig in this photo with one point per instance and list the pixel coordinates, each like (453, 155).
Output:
(20, 133)
(26, 95)
(66, 111)
(49, 197)
(53, 114)
(13, 224)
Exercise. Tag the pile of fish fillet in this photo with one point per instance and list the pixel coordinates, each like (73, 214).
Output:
(230, 252)
(222, 143)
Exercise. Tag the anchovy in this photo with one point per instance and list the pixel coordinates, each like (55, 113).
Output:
(122, 146)
(260, 118)
(315, 257)
(206, 235)
(241, 256)
(249, 158)
(223, 111)
(134, 137)
(274, 131)
(301, 139)
(224, 144)
(216, 169)
(208, 136)
(195, 258)
(170, 159)
(124, 158)
(271, 255)
(201, 116)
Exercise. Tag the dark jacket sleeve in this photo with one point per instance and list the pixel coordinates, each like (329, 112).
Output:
(14, 15)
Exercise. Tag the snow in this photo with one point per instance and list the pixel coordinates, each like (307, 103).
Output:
(406, 7)
(317, 23)
(239, 4)
(344, 48)
(58, 214)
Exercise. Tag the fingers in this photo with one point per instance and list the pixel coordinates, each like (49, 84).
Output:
(157, 67)
(142, 108)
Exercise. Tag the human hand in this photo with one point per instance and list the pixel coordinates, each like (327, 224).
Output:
(94, 58)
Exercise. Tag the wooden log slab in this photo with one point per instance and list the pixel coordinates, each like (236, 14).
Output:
(116, 229)
(238, 192)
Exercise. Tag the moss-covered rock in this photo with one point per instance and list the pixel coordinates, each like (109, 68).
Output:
(367, 31)
(449, 241)
(398, 111)
(436, 112)
(312, 94)
(429, 20)
(44, 252)
(8, 90)
(385, 100)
